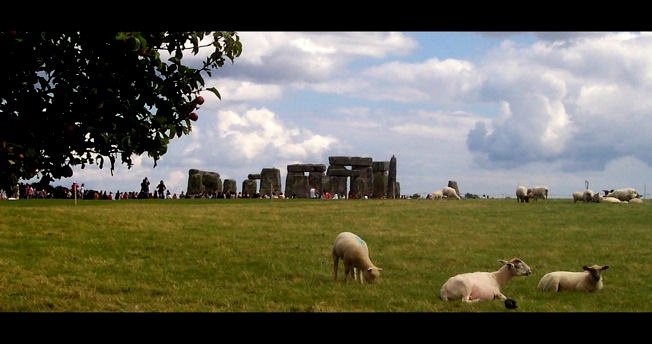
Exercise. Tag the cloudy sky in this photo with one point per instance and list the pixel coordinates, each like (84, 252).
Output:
(489, 110)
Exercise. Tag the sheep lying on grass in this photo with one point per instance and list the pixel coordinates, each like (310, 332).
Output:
(605, 199)
(355, 256)
(624, 195)
(588, 280)
(481, 285)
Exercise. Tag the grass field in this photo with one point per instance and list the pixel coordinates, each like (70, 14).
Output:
(256, 255)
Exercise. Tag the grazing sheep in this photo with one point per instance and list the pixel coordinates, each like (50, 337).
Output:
(588, 280)
(521, 194)
(355, 256)
(437, 195)
(624, 194)
(449, 192)
(481, 285)
(538, 192)
(578, 196)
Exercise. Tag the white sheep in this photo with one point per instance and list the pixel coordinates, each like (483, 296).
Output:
(602, 199)
(521, 194)
(538, 192)
(624, 194)
(588, 280)
(481, 285)
(437, 195)
(449, 192)
(585, 196)
(354, 253)
(578, 196)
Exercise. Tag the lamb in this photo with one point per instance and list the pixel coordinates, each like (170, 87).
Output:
(481, 285)
(588, 280)
(449, 192)
(521, 194)
(354, 253)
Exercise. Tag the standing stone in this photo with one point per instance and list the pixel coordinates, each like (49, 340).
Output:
(249, 188)
(392, 190)
(203, 182)
(380, 178)
(230, 187)
(296, 185)
(270, 182)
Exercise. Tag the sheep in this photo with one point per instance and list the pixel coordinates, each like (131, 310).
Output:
(538, 192)
(602, 199)
(449, 192)
(588, 280)
(521, 194)
(354, 253)
(624, 194)
(481, 285)
(585, 196)
(437, 195)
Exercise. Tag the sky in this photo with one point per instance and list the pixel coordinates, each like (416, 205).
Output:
(489, 110)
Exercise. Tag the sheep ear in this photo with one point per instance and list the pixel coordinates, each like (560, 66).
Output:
(585, 267)
(605, 267)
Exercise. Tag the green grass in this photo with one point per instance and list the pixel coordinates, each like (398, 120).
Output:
(256, 255)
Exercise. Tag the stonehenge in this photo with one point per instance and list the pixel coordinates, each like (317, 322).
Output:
(346, 176)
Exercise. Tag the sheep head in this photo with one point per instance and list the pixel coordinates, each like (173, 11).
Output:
(596, 271)
(517, 267)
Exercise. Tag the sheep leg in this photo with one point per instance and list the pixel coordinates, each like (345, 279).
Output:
(500, 296)
(357, 275)
(336, 262)
(348, 272)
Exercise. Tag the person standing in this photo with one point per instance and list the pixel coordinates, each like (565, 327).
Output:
(161, 189)
(144, 189)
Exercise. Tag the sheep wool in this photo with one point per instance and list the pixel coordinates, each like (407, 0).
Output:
(354, 253)
(590, 279)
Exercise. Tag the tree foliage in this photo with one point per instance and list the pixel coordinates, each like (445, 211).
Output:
(79, 98)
